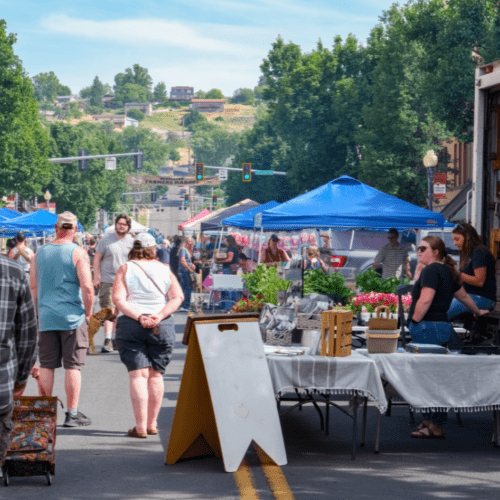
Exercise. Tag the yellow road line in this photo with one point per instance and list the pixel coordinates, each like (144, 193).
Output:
(274, 476)
(244, 480)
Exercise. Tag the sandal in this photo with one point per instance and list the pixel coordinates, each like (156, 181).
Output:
(422, 426)
(422, 434)
(132, 433)
(152, 432)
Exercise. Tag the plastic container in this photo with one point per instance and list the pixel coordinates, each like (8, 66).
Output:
(382, 341)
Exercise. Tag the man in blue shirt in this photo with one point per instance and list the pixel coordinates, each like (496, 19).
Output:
(61, 283)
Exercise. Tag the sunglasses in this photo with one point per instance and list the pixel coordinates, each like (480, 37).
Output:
(423, 248)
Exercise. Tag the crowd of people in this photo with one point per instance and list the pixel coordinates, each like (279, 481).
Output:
(48, 300)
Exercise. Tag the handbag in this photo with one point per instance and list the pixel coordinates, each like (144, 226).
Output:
(156, 329)
(192, 279)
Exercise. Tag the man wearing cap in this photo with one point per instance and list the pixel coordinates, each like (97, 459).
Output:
(272, 254)
(163, 252)
(326, 240)
(393, 256)
(21, 252)
(111, 252)
(61, 284)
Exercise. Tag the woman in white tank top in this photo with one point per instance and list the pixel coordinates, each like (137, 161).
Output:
(146, 294)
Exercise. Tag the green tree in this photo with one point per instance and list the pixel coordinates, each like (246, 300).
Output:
(160, 92)
(24, 148)
(137, 75)
(244, 96)
(130, 92)
(258, 92)
(201, 95)
(97, 91)
(214, 146)
(137, 114)
(214, 94)
(47, 87)
(193, 117)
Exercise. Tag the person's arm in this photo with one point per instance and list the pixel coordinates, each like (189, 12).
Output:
(185, 265)
(285, 256)
(462, 296)
(14, 256)
(379, 258)
(423, 303)
(478, 279)
(82, 264)
(26, 337)
(97, 269)
(120, 295)
(406, 265)
(323, 266)
(33, 284)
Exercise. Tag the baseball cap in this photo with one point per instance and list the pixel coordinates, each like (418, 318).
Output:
(145, 240)
(274, 237)
(67, 220)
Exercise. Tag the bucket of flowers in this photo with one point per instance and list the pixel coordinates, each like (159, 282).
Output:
(247, 305)
(365, 304)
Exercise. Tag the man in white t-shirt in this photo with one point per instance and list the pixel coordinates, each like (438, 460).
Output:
(21, 252)
(111, 252)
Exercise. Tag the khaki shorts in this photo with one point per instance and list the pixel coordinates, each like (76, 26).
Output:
(68, 347)
(106, 295)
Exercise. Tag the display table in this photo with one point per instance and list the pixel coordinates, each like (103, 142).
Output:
(439, 382)
(355, 375)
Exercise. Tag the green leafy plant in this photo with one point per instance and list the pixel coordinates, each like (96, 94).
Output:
(316, 281)
(264, 281)
(370, 281)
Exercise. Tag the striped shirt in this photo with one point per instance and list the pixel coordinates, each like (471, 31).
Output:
(392, 260)
(18, 329)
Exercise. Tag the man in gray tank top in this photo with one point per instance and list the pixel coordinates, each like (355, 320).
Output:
(111, 252)
(61, 284)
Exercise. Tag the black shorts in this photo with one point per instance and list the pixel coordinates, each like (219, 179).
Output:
(139, 348)
(6, 426)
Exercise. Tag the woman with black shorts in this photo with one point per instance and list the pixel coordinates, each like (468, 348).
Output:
(146, 294)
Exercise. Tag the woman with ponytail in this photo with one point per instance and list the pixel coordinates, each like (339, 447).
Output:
(438, 283)
(477, 270)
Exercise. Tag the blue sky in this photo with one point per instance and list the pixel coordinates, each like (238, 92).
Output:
(209, 44)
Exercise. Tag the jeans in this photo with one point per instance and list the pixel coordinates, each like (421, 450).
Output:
(430, 332)
(457, 308)
(186, 288)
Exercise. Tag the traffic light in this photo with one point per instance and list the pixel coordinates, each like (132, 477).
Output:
(199, 169)
(124, 198)
(214, 200)
(82, 164)
(186, 199)
(138, 159)
(247, 172)
(154, 195)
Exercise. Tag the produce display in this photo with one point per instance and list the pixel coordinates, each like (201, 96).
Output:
(264, 282)
(316, 281)
(370, 281)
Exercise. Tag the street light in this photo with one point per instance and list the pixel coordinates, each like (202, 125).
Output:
(47, 196)
(430, 162)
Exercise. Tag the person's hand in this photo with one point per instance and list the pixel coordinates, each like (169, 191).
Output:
(147, 321)
(156, 319)
(18, 389)
(35, 371)
(97, 281)
(482, 312)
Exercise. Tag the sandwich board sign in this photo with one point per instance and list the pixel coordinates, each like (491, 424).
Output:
(226, 399)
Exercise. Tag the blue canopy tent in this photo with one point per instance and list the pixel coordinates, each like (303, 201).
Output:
(9, 213)
(35, 223)
(347, 203)
(245, 220)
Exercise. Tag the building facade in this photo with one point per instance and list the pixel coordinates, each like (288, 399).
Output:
(181, 93)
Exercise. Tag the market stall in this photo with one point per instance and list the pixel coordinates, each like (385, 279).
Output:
(37, 223)
(198, 216)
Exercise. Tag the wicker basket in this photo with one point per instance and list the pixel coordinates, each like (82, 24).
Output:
(304, 322)
(382, 343)
(275, 337)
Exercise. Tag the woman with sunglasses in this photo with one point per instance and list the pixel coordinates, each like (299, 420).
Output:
(432, 294)
(477, 270)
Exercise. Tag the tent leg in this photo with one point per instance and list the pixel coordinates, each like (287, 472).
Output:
(260, 244)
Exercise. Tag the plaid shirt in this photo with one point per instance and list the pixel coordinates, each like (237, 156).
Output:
(392, 260)
(18, 329)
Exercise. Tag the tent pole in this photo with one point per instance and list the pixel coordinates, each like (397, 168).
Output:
(352, 240)
(260, 243)
(330, 237)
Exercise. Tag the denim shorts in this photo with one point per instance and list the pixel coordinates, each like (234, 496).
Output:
(430, 332)
(139, 348)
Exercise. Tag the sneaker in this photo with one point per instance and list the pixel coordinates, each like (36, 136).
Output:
(114, 344)
(108, 346)
(77, 421)
(182, 310)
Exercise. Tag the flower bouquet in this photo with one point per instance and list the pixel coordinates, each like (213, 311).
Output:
(246, 305)
(368, 302)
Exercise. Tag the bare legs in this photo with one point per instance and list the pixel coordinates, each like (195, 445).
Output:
(72, 385)
(146, 393)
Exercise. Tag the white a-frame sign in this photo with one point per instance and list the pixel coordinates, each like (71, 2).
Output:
(226, 399)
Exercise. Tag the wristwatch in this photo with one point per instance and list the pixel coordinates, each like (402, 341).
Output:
(414, 322)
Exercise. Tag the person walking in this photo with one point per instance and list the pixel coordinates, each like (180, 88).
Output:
(146, 294)
(186, 267)
(111, 252)
(18, 342)
(393, 256)
(21, 252)
(163, 252)
(61, 284)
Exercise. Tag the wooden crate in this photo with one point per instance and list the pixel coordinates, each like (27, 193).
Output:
(336, 333)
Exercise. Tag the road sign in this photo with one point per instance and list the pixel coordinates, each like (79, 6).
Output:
(222, 175)
(111, 163)
(440, 186)
(263, 172)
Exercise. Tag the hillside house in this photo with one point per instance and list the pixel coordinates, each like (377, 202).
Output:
(208, 105)
(181, 93)
(107, 100)
(145, 107)
(119, 121)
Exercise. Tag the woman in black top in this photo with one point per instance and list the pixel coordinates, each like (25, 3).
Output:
(229, 267)
(477, 270)
(439, 283)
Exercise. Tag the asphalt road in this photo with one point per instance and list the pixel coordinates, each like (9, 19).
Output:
(100, 461)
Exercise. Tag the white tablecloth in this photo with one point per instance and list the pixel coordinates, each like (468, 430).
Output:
(354, 375)
(440, 382)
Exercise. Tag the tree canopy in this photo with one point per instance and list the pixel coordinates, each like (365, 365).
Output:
(160, 92)
(214, 94)
(244, 96)
(47, 87)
